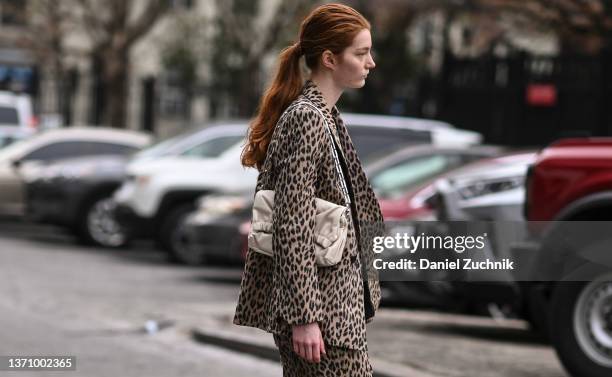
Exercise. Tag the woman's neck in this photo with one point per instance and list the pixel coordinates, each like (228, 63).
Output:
(327, 87)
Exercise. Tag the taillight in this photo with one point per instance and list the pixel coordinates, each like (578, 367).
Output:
(33, 122)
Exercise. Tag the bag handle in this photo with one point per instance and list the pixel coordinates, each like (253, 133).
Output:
(306, 102)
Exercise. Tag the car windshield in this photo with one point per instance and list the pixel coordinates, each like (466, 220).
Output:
(8, 115)
(373, 143)
(408, 174)
(162, 147)
(213, 147)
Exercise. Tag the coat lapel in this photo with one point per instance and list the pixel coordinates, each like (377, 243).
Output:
(312, 92)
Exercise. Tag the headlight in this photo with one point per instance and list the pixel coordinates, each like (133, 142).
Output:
(488, 187)
(222, 204)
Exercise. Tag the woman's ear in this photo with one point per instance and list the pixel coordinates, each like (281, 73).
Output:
(328, 59)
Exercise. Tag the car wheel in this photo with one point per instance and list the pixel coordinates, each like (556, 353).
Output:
(174, 239)
(99, 226)
(582, 326)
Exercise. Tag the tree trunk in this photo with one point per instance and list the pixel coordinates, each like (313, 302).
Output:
(116, 74)
(249, 90)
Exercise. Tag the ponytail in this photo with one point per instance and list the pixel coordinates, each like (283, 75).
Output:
(285, 88)
(328, 27)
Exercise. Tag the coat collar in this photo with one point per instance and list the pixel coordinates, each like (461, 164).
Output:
(311, 92)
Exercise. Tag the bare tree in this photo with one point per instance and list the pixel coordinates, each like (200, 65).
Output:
(582, 25)
(113, 27)
(44, 36)
(241, 43)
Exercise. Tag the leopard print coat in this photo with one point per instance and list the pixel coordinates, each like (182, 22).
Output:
(289, 288)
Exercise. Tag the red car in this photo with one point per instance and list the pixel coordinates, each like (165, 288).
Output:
(569, 294)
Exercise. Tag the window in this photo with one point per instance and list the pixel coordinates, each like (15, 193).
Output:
(405, 175)
(109, 148)
(8, 115)
(374, 142)
(56, 151)
(12, 12)
(212, 148)
(68, 149)
(174, 100)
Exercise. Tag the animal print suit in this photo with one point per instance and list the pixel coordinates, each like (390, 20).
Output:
(290, 289)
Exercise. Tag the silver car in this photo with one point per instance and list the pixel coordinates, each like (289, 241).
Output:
(25, 160)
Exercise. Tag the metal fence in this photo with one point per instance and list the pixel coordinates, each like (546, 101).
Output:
(526, 100)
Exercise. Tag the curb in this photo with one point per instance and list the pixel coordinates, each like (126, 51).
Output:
(266, 350)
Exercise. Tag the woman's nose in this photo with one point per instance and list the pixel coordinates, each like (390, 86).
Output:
(371, 63)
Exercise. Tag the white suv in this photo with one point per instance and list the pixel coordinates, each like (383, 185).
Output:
(16, 111)
(164, 181)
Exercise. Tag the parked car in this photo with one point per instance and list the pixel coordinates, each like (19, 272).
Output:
(16, 111)
(224, 217)
(489, 190)
(159, 193)
(376, 136)
(216, 232)
(163, 182)
(405, 184)
(568, 295)
(199, 142)
(399, 132)
(25, 160)
(77, 193)
(485, 197)
(403, 180)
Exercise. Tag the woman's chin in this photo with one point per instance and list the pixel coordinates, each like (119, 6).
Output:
(360, 84)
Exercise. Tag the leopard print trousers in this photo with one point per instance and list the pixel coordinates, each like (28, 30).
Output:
(337, 362)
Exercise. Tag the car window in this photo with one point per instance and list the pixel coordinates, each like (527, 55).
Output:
(374, 142)
(212, 148)
(8, 115)
(67, 149)
(165, 146)
(109, 148)
(56, 150)
(407, 174)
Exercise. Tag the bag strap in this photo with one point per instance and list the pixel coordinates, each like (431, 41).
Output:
(306, 102)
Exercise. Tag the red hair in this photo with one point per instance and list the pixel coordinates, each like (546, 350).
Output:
(328, 27)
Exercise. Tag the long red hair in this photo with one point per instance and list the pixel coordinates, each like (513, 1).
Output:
(328, 27)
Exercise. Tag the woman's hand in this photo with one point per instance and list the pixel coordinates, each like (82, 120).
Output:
(308, 342)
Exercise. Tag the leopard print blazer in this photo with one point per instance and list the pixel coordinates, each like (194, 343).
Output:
(289, 288)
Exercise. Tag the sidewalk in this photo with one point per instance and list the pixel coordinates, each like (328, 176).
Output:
(414, 343)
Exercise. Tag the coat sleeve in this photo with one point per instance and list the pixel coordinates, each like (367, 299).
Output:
(294, 218)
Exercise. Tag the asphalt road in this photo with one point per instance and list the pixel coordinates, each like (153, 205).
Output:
(60, 299)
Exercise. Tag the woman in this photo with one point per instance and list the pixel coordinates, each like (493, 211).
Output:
(317, 314)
